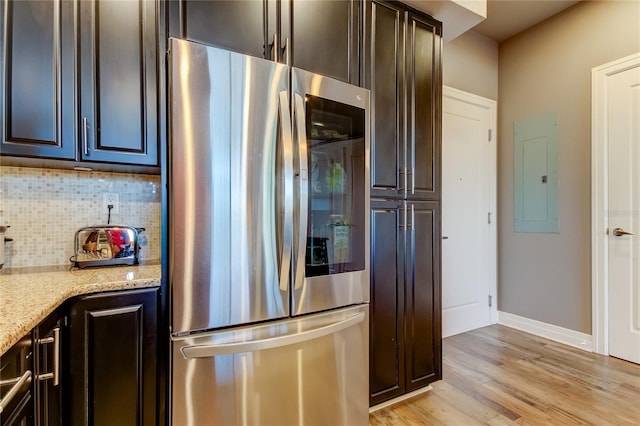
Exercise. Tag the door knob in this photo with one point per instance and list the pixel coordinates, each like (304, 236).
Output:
(619, 232)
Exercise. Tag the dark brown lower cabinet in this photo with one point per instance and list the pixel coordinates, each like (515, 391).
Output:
(113, 359)
(405, 329)
(48, 349)
(16, 379)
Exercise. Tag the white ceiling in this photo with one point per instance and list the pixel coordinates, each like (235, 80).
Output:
(506, 18)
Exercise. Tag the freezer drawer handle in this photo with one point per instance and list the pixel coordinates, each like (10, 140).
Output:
(207, 351)
(25, 378)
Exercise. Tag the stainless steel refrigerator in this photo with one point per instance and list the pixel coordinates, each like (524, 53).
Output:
(269, 242)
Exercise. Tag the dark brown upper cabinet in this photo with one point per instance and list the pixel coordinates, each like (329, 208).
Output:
(37, 79)
(324, 37)
(402, 57)
(315, 35)
(81, 82)
(119, 81)
(241, 26)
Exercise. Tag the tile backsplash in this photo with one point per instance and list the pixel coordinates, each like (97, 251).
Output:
(45, 207)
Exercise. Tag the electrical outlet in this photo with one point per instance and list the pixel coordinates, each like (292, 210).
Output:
(111, 199)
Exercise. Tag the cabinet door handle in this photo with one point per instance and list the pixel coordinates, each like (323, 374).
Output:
(56, 356)
(275, 54)
(85, 136)
(55, 372)
(287, 52)
(411, 180)
(18, 383)
(404, 174)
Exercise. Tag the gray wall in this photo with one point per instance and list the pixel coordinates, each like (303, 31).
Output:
(470, 63)
(547, 277)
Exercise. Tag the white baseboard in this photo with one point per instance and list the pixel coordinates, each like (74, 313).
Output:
(400, 398)
(548, 331)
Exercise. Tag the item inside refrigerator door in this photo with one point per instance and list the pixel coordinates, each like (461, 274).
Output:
(335, 202)
(340, 241)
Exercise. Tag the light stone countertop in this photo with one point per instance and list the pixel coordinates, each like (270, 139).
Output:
(28, 298)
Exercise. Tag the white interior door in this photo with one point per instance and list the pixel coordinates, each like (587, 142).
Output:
(468, 212)
(623, 135)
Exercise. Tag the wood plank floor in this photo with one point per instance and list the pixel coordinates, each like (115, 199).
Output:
(500, 376)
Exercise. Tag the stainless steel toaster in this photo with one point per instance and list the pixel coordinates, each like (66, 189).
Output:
(107, 245)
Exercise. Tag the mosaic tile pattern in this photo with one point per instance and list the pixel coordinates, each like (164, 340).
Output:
(45, 207)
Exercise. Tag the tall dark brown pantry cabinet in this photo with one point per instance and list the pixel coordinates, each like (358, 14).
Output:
(403, 71)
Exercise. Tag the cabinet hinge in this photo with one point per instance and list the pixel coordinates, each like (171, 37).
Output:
(490, 301)
(490, 134)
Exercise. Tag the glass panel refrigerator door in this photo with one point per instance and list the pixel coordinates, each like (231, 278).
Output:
(336, 215)
(331, 254)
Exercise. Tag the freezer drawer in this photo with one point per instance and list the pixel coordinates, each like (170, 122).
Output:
(311, 370)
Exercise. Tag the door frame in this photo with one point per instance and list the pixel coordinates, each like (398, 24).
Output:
(599, 198)
(492, 106)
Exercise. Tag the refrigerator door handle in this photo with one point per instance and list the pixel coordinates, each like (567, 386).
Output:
(287, 218)
(208, 351)
(303, 175)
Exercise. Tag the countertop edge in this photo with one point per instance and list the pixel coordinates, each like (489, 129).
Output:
(16, 324)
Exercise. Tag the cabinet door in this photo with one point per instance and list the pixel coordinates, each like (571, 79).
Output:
(119, 81)
(16, 364)
(386, 355)
(424, 99)
(37, 79)
(48, 345)
(112, 359)
(324, 37)
(241, 26)
(422, 275)
(384, 77)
